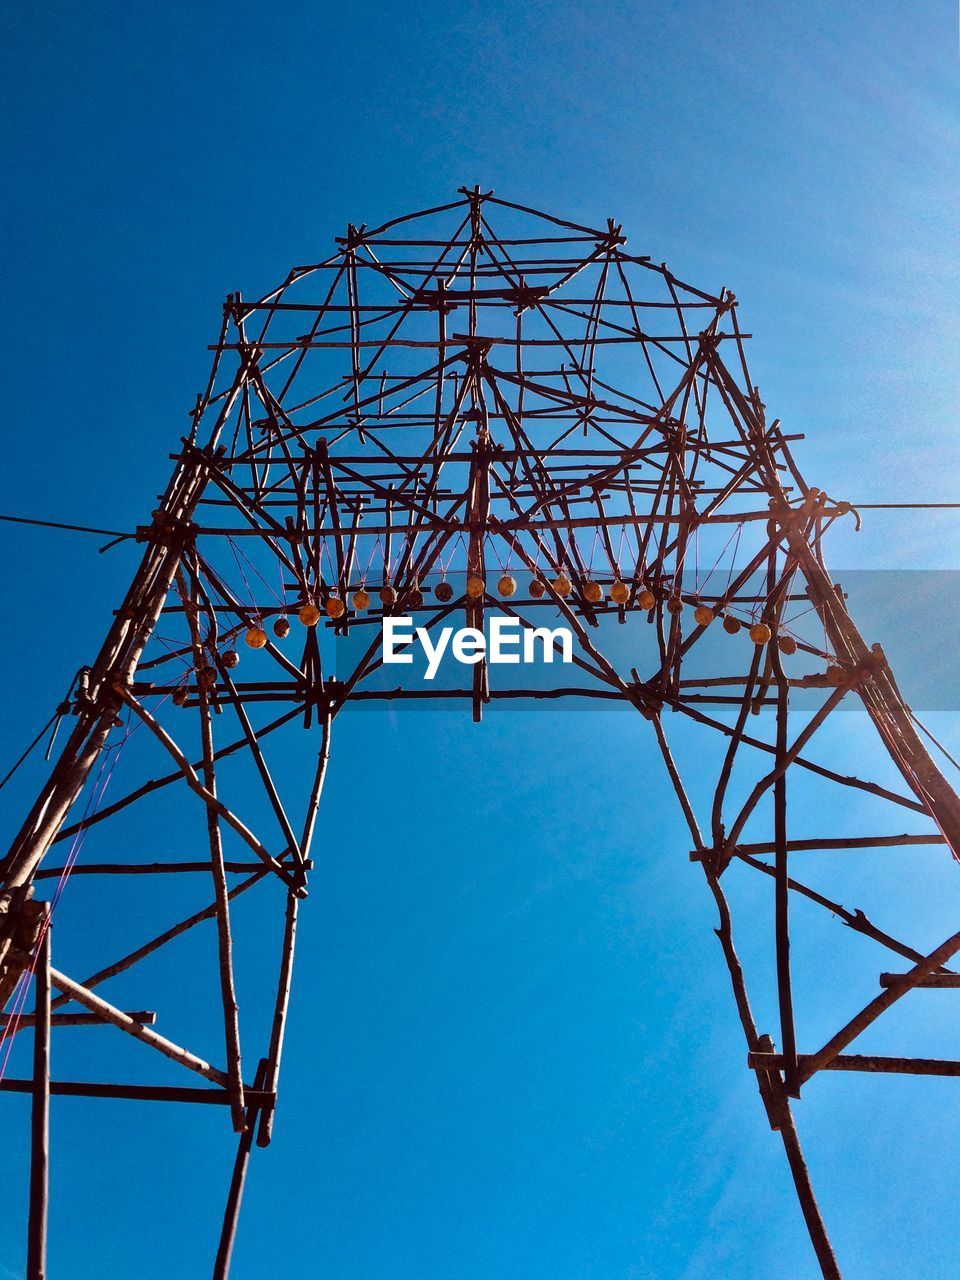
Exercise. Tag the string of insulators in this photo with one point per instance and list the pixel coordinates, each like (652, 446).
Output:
(309, 614)
(594, 593)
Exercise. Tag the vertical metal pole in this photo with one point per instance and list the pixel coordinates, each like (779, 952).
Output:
(808, 1203)
(782, 898)
(40, 1141)
(231, 1214)
(272, 1072)
(787, 1033)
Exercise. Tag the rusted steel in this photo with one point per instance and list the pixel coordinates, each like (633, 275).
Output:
(474, 389)
(146, 1018)
(934, 981)
(228, 991)
(209, 799)
(40, 1123)
(133, 1092)
(895, 991)
(862, 1062)
(124, 1022)
(161, 940)
(231, 1216)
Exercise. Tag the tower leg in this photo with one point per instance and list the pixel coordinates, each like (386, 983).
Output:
(808, 1201)
(774, 1095)
(231, 1214)
(40, 1141)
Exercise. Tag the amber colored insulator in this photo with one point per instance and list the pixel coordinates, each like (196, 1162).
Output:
(180, 695)
(231, 659)
(731, 625)
(414, 598)
(475, 586)
(255, 638)
(443, 591)
(388, 595)
(537, 588)
(562, 585)
(760, 633)
(361, 600)
(309, 614)
(674, 605)
(787, 645)
(281, 628)
(836, 675)
(619, 592)
(507, 586)
(645, 598)
(593, 592)
(703, 615)
(335, 607)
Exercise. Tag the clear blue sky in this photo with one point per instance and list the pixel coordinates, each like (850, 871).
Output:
(514, 1050)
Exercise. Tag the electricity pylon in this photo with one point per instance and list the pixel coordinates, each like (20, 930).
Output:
(475, 410)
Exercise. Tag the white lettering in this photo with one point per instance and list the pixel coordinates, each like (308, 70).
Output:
(469, 645)
(392, 638)
(498, 626)
(433, 651)
(549, 639)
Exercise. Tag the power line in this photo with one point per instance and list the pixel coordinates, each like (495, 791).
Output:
(902, 506)
(120, 533)
(73, 528)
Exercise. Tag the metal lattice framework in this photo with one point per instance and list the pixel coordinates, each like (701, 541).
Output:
(473, 410)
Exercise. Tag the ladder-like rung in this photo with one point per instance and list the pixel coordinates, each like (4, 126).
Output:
(862, 1062)
(938, 980)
